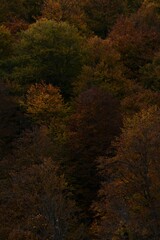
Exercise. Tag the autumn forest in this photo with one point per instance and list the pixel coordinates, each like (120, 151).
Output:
(80, 120)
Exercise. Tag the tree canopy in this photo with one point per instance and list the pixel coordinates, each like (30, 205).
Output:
(49, 51)
(79, 119)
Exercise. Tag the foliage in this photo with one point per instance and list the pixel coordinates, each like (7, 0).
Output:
(42, 206)
(130, 192)
(49, 51)
(150, 74)
(137, 99)
(104, 69)
(5, 42)
(134, 5)
(70, 11)
(49, 213)
(102, 14)
(6, 49)
(20, 9)
(44, 209)
(141, 39)
(12, 119)
(44, 102)
(92, 126)
(79, 119)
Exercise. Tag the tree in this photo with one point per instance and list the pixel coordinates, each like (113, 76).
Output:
(102, 14)
(134, 5)
(52, 10)
(104, 68)
(6, 50)
(150, 74)
(49, 51)
(139, 99)
(11, 8)
(37, 202)
(130, 192)
(26, 10)
(44, 210)
(32, 9)
(70, 11)
(140, 32)
(95, 122)
(5, 42)
(44, 103)
(12, 119)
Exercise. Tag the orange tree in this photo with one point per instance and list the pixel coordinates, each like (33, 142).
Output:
(130, 191)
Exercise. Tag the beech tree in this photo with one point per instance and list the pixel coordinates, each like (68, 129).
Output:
(10, 9)
(5, 42)
(44, 106)
(79, 119)
(70, 11)
(43, 208)
(130, 192)
(44, 103)
(49, 51)
(139, 99)
(6, 50)
(94, 123)
(12, 119)
(20, 9)
(104, 68)
(150, 74)
(140, 33)
(134, 5)
(38, 199)
(102, 14)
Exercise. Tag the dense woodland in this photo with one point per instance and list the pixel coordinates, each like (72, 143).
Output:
(79, 120)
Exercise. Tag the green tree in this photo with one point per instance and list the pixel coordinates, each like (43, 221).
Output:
(49, 51)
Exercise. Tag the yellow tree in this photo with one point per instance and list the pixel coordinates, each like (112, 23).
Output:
(44, 102)
(45, 106)
(70, 11)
